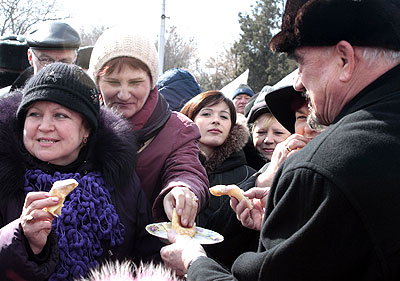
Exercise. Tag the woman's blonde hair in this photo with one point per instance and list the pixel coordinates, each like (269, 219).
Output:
(266, 119)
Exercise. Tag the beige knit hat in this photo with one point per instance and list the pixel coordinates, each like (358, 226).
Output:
(123, 42)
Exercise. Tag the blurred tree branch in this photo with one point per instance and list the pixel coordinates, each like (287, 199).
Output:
(17, 16)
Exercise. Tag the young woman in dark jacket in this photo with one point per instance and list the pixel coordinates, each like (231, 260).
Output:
(223, 136)
(56, 131)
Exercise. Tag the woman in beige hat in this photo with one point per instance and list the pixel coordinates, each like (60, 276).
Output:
(124, 65)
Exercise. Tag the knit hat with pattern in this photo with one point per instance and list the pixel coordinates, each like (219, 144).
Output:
(123, 42)
(65, 84)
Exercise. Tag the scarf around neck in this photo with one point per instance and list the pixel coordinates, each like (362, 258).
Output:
(88, 218)
(151, 118)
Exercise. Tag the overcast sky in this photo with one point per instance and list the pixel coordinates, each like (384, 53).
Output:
(212, 23)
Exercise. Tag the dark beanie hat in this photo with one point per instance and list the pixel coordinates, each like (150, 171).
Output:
(65, 84)
(367, 23)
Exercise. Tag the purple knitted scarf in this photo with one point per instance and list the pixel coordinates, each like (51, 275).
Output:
(88, 217)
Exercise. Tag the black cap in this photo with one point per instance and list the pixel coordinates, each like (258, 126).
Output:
(65, 84)
(279, 99)
(53, 35)
(83, 57)
(258, 105)
(249, 105)
(257, 110)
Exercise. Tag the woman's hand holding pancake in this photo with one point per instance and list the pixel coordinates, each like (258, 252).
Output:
(35, 221)
(185, 202)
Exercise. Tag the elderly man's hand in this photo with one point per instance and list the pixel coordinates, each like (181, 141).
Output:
(181, 252)
(287, 148)
(282, 151)
(253, 218)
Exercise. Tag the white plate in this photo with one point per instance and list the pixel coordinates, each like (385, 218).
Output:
(203, 235)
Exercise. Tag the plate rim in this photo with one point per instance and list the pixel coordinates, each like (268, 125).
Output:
(205, 242)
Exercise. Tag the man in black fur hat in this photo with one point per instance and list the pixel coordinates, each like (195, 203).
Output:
(333, 210)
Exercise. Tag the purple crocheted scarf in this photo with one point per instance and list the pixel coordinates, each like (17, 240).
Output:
(88, 217)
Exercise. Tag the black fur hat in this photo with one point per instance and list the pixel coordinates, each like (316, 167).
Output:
(369, 23)
(13, 56)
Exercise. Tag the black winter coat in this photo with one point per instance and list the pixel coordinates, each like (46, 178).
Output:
(111, 150)
(333, 211)
(228, 166)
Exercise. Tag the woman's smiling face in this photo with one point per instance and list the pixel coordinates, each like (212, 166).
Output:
(126, 90)
(54, 133)
(267, 133)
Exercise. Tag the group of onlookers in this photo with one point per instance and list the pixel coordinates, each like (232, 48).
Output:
(145, 164)
(315, 153)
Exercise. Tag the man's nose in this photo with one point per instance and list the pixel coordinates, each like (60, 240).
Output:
(298, 84)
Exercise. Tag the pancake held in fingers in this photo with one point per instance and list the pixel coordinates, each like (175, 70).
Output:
(231, 190)
(179, 229)
(61, 189)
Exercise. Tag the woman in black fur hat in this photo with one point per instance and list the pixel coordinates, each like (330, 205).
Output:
(57, 131)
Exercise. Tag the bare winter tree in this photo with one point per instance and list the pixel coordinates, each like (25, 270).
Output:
(89, 35)
(17, 16)
(180, 52)
(221, 70)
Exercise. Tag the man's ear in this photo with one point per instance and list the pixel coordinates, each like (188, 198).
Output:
(346, 53)
(29, 53)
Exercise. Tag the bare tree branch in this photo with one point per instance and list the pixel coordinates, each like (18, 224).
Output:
(17, 16)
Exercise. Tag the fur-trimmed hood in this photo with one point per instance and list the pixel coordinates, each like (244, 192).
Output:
(112, 149)
(236, 140)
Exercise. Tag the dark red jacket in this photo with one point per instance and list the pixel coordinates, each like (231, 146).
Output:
(171, 158)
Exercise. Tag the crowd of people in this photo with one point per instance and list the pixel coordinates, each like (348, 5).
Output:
(315, 154)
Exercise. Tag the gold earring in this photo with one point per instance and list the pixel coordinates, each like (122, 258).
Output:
(84, 141)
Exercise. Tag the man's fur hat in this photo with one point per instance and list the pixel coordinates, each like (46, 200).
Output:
(368, 23)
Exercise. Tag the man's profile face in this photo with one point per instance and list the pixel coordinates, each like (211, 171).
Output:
(240, 102)
(39, 58)
(318, 78)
